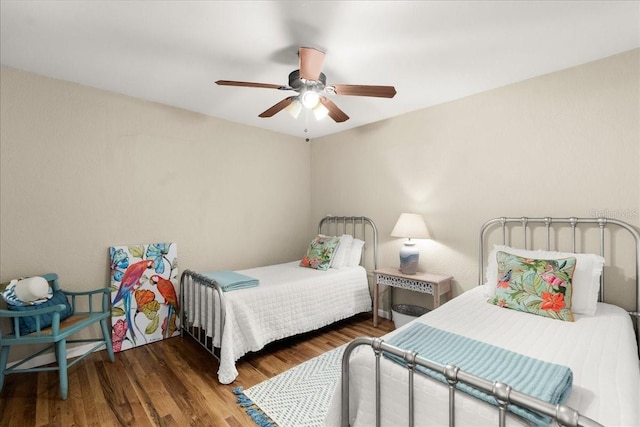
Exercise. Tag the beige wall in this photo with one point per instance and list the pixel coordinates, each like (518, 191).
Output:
(83, 169)
(563, 144)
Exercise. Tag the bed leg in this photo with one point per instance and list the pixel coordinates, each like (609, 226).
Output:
(410, 357)
(378, 353)
(501, 392)
(451, 374)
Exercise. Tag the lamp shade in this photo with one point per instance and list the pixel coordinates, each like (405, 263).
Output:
(411, 226)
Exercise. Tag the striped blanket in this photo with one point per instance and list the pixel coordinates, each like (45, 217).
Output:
(543, 380)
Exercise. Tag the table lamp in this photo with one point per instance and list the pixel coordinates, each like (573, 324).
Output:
(410, 226)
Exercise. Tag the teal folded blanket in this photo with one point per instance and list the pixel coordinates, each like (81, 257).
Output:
(543, 380)
(232, 281)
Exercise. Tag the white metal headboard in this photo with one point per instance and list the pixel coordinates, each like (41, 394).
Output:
(357, 226)
(550, 223)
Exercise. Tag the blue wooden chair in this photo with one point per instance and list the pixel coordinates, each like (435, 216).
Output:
(56, 335)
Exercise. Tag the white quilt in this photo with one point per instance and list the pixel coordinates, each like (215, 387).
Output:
(601, 351)
(289, 300)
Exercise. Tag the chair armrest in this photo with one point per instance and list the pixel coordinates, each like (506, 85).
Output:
(106, 293)
(92, 292)
(35, 313)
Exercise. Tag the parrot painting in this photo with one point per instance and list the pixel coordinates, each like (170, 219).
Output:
(168, 291)
(130, 280)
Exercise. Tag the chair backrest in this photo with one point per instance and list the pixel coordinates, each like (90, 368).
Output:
(52, 278)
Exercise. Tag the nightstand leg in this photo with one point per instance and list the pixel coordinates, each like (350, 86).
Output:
(390, 292)
(375, 303)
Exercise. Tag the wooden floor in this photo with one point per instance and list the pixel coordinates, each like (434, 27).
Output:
(167, 383)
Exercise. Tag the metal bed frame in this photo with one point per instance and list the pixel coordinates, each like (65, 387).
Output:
(502, 392)
(193, 286)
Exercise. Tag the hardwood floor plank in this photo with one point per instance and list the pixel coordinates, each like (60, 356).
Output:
(167, 383)
(42, 413)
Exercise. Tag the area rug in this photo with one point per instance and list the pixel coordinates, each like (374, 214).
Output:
(298, 397)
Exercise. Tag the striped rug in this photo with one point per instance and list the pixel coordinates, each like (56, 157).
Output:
(298, 397)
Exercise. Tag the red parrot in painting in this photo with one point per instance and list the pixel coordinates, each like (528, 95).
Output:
(168, 291)
(130, 280)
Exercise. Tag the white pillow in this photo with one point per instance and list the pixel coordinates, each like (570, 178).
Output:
(32, 289)
(343, 251)
(353, 260)
(586, 276)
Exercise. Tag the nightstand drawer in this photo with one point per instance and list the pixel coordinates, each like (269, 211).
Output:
(404, 283)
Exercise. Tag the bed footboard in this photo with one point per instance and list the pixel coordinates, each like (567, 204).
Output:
(203, 310)
(502, 392)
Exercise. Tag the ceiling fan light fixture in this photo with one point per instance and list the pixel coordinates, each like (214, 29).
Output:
(310, 99)
(320, 111)
(294, 108)
(310, 83)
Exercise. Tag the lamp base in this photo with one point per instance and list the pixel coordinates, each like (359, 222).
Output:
(409, 257)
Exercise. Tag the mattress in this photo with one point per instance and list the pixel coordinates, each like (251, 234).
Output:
(288, 301)
(600, 350)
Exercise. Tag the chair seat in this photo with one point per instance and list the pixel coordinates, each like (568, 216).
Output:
(68, 326)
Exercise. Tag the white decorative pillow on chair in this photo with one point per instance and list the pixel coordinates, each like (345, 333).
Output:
(32, 289)
(586, 277)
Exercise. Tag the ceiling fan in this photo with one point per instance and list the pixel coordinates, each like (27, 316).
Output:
(311, 85)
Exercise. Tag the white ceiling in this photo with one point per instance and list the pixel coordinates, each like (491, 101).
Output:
(172, 52)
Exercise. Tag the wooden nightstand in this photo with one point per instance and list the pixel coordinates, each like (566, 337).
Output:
(433, 284)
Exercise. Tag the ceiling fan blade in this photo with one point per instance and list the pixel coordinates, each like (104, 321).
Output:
(311, 61)
(334, 112)
(362, 90)
(278, 107)
(251, 84)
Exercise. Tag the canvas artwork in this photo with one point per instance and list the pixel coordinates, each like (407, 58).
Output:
(144, 294)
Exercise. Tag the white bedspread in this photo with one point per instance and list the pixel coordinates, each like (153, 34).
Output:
(601, 351)
(289, 300)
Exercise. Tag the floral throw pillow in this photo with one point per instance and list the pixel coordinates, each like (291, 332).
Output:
(536, 286)
(320, 252)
